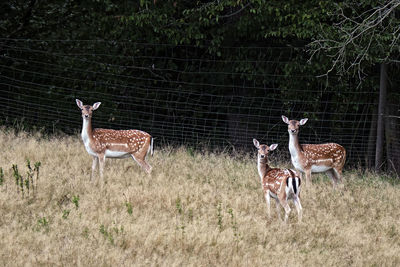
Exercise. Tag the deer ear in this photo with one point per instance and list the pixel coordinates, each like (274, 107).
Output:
(79, 103)
(96, 105)
(303, 121)
(273, 147)
(256, 143)
(285, 119)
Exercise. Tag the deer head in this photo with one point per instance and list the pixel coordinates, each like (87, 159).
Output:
(293, 125)
(263, 149)
(87, 110)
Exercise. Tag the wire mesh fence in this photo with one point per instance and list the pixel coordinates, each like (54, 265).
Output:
(191, 95)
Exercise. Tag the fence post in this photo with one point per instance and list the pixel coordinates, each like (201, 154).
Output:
(381, 111)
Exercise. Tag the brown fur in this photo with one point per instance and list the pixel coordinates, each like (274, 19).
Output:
(275, 182)
(305, 157)
(102, 143)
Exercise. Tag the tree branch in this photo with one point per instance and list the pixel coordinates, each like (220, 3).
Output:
(25, 19)
(358, 33)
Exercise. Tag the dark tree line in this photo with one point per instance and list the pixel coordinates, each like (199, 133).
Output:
(319, 53)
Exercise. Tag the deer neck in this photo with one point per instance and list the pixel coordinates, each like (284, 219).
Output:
(86, 131)
(294, 146)
(262, 166)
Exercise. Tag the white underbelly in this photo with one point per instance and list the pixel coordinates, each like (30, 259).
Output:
(314, 168)
(116, 154)
(319, 168)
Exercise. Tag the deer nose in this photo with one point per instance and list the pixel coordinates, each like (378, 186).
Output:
(293, 131)
(262, 156)
(86, 116)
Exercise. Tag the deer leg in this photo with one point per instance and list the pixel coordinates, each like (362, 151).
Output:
(102, 159)
(268, 200)
(278, 210)
(94, 165)
(331, 175)
(285, 205)
(300, 174)
(308, 176)
(338, 173)
(299, 209)
(142, 163)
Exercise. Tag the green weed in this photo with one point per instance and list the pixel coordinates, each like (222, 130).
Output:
(1, 176)
(65, 214)
(129, 208)
(42, 224)
(85, 232)
(219, 216)
(190, 151)
(180, 226)
(107, 235)
(17, 176)
(235, 228)
(178, 205)
(75, 200)
(28, 181)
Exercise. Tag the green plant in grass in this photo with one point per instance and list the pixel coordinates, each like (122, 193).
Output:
(21, 185)
(1, 176)
(190, 151)
(234, 226)
(181, 214)
(392, 232)
(43, 221)
(42, 224)
(37, 168)
(114, 234)
(75, 200)
(178, 205)
(219, 216)
(190, 214)
(129, 208)
(85, 232)
(27, 185)
(19, 180)
(30, 173)
(65, 214)
(17, 176)
(27, 182)
(107, 234)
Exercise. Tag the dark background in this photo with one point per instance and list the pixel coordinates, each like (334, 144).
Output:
(204, 74)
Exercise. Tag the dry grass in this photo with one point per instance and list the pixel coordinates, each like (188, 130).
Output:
(194, 210)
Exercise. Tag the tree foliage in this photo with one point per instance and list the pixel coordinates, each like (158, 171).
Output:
(248, 47)
(364, 33)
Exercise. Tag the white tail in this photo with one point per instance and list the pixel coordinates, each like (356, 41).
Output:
(280, 184)
(329, 158)
(107, 143)
(151, 147)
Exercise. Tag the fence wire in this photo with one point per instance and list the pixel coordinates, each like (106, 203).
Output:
(192, 96)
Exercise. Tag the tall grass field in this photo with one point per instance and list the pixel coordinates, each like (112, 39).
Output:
(195, 209)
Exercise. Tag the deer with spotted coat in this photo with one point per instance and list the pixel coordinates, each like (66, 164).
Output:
(108, 143)
(280, 184)
(314, 158)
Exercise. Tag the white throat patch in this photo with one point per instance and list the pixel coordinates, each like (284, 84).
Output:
(86, 139)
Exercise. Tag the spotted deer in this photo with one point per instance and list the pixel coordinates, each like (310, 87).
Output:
(108, 143)
(308, 158)
(280, 184)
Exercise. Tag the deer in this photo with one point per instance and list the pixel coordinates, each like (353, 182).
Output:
(108, 143)
(314, 158)
(280, 184)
